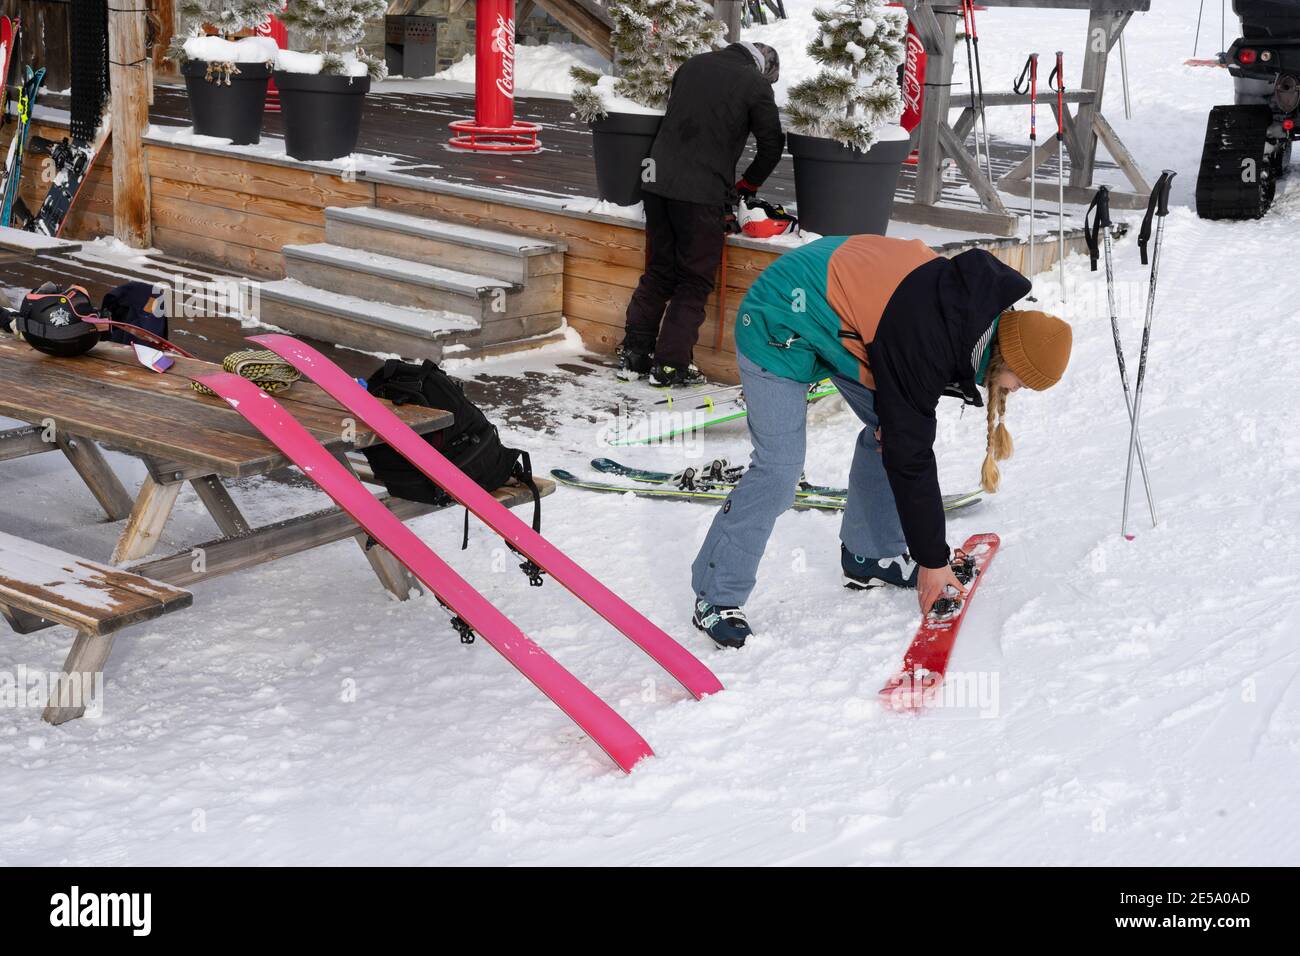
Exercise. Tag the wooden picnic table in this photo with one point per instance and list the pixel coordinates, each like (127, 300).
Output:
(183, 436)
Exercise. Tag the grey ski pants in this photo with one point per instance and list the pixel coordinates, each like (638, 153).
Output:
(725, 570)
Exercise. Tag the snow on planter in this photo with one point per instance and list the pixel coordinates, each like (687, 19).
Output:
(215, 49)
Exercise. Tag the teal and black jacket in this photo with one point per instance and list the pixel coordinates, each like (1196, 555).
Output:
(907, 323)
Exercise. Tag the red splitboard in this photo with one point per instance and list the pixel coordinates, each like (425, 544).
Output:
(926, 660)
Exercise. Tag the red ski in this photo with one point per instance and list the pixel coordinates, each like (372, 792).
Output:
(926, 660)
(674, 658)
(615, 736)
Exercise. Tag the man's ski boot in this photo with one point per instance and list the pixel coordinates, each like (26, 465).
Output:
(632, 364)
(668, 376)
(861, 574)
(726, 625)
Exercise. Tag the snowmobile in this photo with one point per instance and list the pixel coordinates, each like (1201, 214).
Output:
(1248, 145)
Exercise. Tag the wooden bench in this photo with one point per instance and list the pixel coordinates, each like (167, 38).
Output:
(40, 585)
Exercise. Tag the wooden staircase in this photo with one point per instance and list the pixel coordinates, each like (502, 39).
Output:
(387, 281)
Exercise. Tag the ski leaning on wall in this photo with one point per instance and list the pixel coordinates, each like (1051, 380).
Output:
(472, 611)
(340, 386)
(69, 167)
(31, 87)
(8, 40)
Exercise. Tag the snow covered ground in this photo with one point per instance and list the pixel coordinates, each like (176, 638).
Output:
(1142, 702)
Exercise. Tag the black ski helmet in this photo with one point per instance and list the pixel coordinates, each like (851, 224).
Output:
(765, 58)
(58, 322)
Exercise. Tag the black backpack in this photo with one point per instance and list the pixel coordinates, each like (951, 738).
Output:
(471, 443)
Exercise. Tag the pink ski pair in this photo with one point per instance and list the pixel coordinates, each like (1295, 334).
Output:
(618, 739)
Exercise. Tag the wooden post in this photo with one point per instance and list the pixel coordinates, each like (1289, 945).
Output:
(1104, 29)
(128, 72)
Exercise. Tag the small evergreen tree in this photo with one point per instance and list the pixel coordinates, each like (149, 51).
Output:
(859, 44)
(227, 16)
(333, 28)
(651, 39)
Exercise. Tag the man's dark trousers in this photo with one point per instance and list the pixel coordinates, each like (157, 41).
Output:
(684, 246)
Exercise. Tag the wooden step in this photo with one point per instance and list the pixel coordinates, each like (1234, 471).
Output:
(453, 245)
(363, 323)
(370, 275)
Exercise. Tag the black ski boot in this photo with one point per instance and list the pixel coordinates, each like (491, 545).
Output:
(726, 625)
(667, 376)
(632, 364)
(861, 573)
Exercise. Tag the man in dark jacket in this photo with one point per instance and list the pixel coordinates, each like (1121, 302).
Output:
(718, 99)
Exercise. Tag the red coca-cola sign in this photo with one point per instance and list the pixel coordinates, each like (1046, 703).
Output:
(495, 66)
(913, 80)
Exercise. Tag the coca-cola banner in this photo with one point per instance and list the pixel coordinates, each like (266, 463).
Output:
(913, 79)
(495, 68)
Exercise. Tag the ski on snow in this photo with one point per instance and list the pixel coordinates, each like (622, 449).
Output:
(671, 492)
(926, 662)
(703, 492)
(340, 386)
(706, 414)
(721, 475)
(614, 735)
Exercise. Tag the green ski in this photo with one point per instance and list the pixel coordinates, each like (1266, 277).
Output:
(665, 426)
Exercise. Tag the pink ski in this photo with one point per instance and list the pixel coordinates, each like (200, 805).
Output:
(618, 739)
(926, 661)
(674, 658)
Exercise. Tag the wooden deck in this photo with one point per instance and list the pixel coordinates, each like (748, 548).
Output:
(235, 210)
(411, 128)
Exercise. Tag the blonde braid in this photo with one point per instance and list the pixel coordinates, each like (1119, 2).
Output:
(998, 445)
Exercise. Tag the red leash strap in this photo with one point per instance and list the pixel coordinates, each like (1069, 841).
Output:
(155, 340)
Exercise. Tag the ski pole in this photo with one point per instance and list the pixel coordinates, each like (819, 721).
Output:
(1028, 83)
(1058, 77)
(979, 81)
(1123, 75)
(1157, 205)
(1101, 208)
(967, 28)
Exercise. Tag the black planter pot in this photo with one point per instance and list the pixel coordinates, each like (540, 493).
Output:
(842, 192)
(322, 114)
(620, 143)
(231, 112)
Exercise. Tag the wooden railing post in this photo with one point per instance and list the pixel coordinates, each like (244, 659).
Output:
(129, 97)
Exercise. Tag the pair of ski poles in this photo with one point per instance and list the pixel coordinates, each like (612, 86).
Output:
(976, 79)
(1027, 82)
(1157, 209)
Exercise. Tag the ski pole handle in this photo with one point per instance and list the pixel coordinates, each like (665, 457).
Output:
(1027, 82)
(1100, 210)
(1157, 205)
(1167, 178)
(1056, 81)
